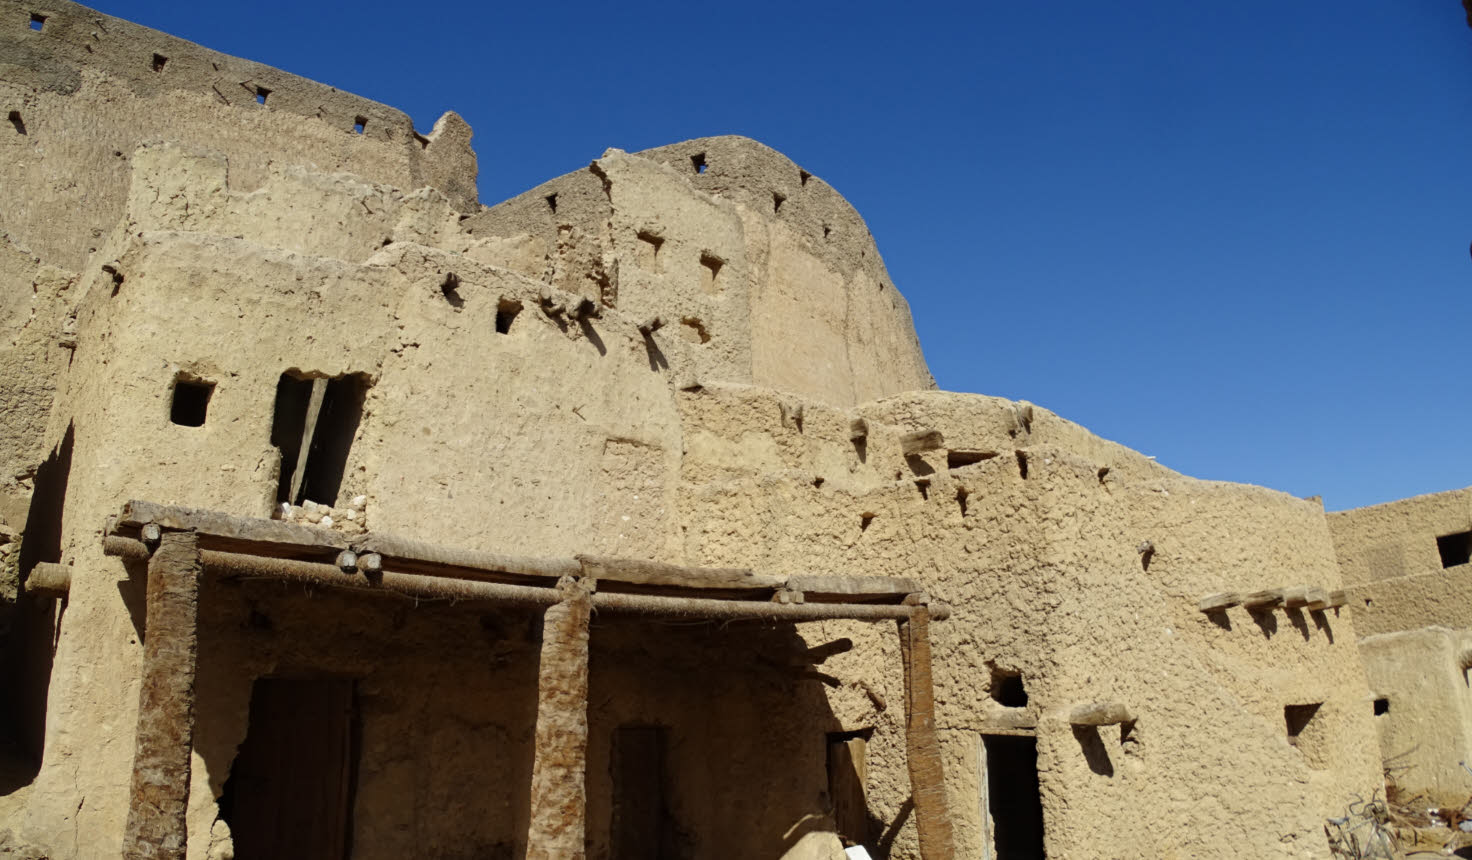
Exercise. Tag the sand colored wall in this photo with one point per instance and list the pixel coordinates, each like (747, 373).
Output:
(564, 435)
(1426, 732)
(1391, 563)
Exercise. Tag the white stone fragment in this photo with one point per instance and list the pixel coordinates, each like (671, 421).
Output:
(350, 514)
(360, 502)
(313, 514)
(326, 522)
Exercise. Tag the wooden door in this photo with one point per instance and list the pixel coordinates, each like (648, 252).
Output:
(290, 789)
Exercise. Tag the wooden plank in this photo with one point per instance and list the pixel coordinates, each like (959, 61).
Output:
(898, 586)
(159, 800)
(215, 524)
(922, 746)
(1338, 598)
(848, 778)
(640, 572)
(1305, 597)
(292, 777)
(1269, 599)
(1220, 601)
(560, 747)
(921, 441)
(1100, 714)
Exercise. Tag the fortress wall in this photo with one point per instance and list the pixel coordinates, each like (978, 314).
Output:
(86, 89)
(1045, 579)
(773, 305)
(1390, 558)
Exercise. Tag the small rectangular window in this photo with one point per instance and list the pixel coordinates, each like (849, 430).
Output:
(1382, 706)
(159, 61)
(37, 21)
(359, 124)
(1308, 731)
(1455, 549)
(261, 93)
(191, 401)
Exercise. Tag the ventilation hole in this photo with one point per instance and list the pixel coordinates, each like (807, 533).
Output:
(1298, 719)
(117, 279)
(159, 61)
(18, 123)
(698, 162)
(818, 482)
(551, 201)
(827, 231)
(961, 496)
(957, 459)
(191, 401)
(693, 330)
(261, 93)
(711, 273)
(1368, 601)
(450, 289)
(1455, 549)
(359, 123)
(1022, 463)
(387, 240)
(777, 201)
(864, 521)
(1103, 473)
(506, 313)
(803, 176)
(923, 485)
(1007, 688)
(37, 21)
(1382, 707)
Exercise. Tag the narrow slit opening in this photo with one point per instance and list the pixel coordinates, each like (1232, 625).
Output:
(18, 123)
(159, 61)
(698, 162)
(450, 289)
(506, 313)
(1022, 463)
(551, 202)
(261, 93)
(359, 124)
(959, 459)
(803, 176)
(777, 201)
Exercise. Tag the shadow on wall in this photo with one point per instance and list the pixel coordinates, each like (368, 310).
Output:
(31, 645)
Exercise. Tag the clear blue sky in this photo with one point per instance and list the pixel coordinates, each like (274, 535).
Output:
(1233, 235)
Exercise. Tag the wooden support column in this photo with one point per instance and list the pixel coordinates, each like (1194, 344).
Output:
(922, 747)
(162, 748)
(560, 760)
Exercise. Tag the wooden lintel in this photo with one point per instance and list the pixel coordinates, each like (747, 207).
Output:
(921, 441)
(137, 514)
(1100, 714)
(858, 429)
(1338, 598)
(163, 743)
(641, 572)
(1219, 602)
(897, 586)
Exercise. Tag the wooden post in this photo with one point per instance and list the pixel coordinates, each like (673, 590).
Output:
(922, 747)
(165, 733)
(560, 760)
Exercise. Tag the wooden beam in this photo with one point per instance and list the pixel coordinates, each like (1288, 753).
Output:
(560, 756)
(1260, 600)
(895, 586)
(641, 572)
(1219, 602)
(159, 801)
(214, 524)
(922, 746)
(921, 441)
(48, 579)
(1100, 714)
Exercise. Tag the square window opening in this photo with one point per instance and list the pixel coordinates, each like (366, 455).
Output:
(191, 401)
(1382, 706)
(37, 21)
(1455, 549)
(1008, 689)
(359, 123)
(314, 425)
(698, 162)
(159, 61)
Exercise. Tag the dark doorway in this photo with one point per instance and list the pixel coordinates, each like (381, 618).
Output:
(289, 796)
(314, 424)
(1014, 798)
(642, 829)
